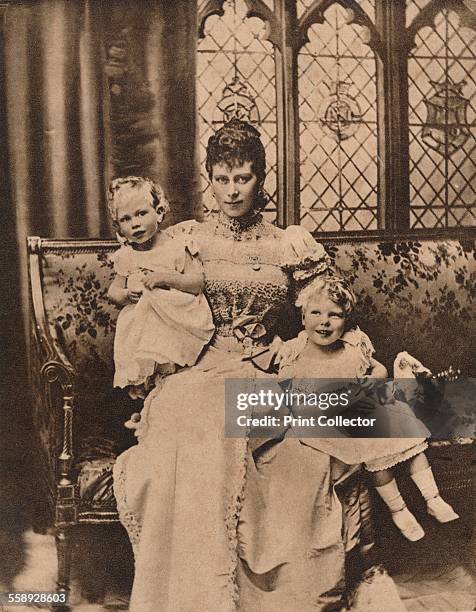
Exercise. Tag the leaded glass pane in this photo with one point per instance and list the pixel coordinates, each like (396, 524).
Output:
(367, 5)
(413, 8)
(234, 53)
(338, 126)
(442, 113)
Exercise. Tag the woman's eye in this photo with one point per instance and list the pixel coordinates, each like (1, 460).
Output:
(221, 179)
(242, 180)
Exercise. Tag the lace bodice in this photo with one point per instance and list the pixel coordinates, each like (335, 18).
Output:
(249, 269)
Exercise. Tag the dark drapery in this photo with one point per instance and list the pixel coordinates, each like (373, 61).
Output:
(89, 90)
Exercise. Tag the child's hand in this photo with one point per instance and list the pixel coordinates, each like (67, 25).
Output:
(135, 286)
(406, 366)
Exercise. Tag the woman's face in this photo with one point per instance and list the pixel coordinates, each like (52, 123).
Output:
(235, 189)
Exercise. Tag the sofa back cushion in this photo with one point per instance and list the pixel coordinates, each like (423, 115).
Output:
(412, 295)
(416, 296)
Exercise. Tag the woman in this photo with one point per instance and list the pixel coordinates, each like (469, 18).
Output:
(181, 490)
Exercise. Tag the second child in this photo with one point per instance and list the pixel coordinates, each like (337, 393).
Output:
(165, 319)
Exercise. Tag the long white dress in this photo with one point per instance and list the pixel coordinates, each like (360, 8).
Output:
(194, 501)
(166, 326)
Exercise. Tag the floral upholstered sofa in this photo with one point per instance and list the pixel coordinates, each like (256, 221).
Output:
(412, 295)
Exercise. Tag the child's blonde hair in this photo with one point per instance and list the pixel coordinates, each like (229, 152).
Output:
(119, 187)
(337, 289)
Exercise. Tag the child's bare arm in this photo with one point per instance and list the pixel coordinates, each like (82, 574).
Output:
(118, 292)
(377, 370)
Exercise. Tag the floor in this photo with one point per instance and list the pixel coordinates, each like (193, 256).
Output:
(28, 561)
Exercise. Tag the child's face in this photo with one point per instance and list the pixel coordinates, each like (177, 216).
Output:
(137, 218)
(324, 321)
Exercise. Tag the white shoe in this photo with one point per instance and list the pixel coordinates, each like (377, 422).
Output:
(408, 525)
(439, 509)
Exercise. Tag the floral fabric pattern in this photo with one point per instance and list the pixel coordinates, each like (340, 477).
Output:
(415, 295)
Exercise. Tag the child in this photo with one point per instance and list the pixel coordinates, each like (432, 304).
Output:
(165, 319)
(330, 347)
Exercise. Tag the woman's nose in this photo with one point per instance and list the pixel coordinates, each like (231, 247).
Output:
(233, 191)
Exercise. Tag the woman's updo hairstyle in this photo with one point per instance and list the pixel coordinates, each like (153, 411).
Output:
(234, 144)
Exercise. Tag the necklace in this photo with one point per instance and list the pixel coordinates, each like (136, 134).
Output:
(241, 228)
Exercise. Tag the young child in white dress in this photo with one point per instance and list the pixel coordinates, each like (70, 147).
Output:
(165, 319)
(330, 348)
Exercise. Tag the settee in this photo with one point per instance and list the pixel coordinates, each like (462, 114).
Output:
(412, 294)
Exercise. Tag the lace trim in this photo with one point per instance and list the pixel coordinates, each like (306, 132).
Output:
(249, 228)
(235, 496)
(389, 461)
(126, 516)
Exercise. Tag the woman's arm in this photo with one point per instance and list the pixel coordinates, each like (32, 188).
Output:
(189, 282)
(188, 278)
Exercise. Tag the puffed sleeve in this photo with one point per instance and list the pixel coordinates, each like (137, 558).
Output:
(304, 258)
(121, 261)
(187, 256)
(359, 340)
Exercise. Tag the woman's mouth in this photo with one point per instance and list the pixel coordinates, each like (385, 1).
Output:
(138, 234)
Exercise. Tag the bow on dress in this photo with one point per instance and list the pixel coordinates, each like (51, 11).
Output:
(248, 330)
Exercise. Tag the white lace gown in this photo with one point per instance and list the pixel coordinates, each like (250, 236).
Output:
(192, 500)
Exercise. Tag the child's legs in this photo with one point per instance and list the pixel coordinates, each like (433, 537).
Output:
(382, 477)
(386, 486)
(418, 463)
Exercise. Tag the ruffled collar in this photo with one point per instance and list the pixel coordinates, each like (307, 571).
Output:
(241, 228)
(352, 337)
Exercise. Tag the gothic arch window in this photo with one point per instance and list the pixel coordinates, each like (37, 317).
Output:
(366, 107)
(338, 125)
(236, 75)
(442, 113)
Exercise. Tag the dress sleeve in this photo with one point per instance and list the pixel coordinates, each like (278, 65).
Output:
(187, 258)
(304, 258)
(357, 340)
(290, 351)
(121, 261)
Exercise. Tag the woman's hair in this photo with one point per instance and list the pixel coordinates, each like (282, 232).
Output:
(334, 287)
(234, 144)
(120, 188)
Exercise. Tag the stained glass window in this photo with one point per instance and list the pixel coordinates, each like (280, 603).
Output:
(442, 113)
(236, 66)
(338, 125)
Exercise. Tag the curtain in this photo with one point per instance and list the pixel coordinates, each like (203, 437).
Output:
(90, 90)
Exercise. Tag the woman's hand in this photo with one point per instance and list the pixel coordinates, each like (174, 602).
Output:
(157, 278)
